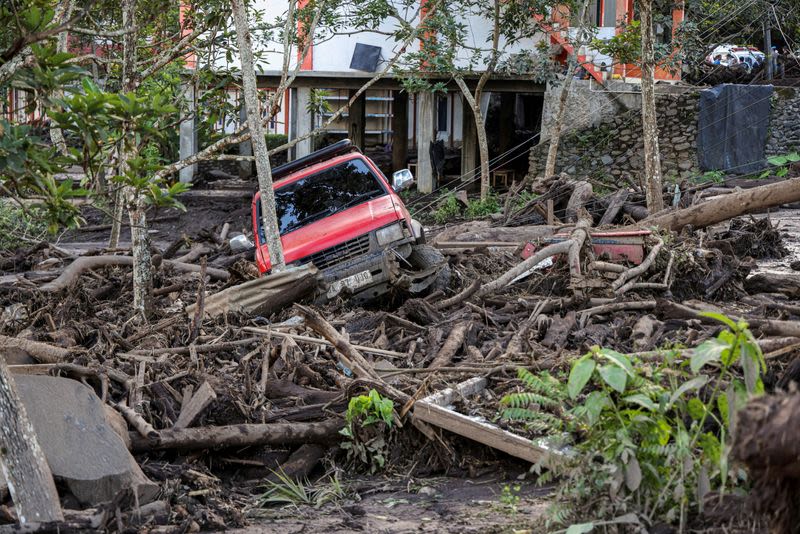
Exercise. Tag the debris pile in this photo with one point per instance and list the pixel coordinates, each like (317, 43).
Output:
(233, 379)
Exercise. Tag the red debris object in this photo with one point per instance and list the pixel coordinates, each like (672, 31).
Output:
(624, 245)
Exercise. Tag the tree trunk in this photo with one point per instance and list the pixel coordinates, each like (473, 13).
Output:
(128, 84)
(483, 141)
(263, 170)
(22, 461)
(652, 159)
(56, 135)
(732, 205)
(140, 249)
(555, 131)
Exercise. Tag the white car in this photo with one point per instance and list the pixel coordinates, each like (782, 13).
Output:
(730, 55)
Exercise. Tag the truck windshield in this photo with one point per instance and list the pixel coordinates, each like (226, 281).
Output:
(322, 194)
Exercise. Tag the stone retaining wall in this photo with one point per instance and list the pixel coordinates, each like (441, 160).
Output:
(612, 150)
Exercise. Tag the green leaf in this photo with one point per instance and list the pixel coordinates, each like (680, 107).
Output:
(614, 376)
(783, 171)
(708, 351)
(596, 401)
(696, 408)
(580, 528)
(618, 359)
(695, 383)
(642, 400)
(579, 375)
(727, 321)
(778, 160)
(793, 156)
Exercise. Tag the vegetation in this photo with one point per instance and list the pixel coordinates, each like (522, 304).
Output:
(652, 437)
(368, 418)
(20, 227)
(287, 490)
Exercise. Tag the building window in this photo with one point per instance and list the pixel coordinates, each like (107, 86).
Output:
(441, 114)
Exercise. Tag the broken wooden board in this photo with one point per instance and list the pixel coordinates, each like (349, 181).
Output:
(263, 295)
(433, 410)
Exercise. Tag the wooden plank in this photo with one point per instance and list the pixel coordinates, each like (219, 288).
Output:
(432, 410)
(191, 410)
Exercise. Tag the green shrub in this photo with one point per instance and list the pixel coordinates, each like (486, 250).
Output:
(653, 437)
(18, 228)
(481, 208)
(449, 208)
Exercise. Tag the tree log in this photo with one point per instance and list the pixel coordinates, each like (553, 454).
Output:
(210, 437)
(722, 209)
(71, 274)
(41, 352)
(22, 460)
(481, 231)
(788, 284)
(451, 345)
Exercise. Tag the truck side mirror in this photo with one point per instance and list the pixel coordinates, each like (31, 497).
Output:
(240, 243)
(402, 180)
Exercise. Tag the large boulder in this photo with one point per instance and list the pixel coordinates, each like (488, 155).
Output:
(82, 448)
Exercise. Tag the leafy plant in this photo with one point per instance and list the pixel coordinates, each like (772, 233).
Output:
(449, 208)
(482, 208)
(509, 497)
(652, 438)
(781, 163)
(368, 417)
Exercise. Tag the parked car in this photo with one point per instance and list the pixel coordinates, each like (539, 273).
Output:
(337, 210)
(748, 57)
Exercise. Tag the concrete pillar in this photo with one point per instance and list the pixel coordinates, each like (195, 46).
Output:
(357, 120)
(469, 141)
(188, 137)
(399, 130)
(426, 181)
(304, 121)
(245, 147)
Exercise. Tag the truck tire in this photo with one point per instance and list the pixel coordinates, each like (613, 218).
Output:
(425, 256)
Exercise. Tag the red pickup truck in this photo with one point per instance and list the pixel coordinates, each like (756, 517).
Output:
(337, 210)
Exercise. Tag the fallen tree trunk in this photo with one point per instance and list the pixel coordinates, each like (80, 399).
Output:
(722, 209)
(211, 437)
(788, 284)
(71, 274)
(41, 352)
(480, 231)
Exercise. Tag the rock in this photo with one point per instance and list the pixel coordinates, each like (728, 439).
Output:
(82, 448)
(682, 146)
(607, 160)
(685, 165)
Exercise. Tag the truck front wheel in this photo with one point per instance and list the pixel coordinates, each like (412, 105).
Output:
(425, 256)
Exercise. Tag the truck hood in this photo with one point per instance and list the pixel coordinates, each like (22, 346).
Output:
(337, 228)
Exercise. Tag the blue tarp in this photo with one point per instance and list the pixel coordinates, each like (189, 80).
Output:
(732, 128)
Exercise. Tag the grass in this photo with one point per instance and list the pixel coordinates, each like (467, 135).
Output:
(290, 491)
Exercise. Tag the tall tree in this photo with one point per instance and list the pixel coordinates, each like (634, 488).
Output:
(582, 38)
(263, 169)
(652, 157)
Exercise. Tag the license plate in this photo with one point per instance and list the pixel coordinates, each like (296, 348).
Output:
(364, 278)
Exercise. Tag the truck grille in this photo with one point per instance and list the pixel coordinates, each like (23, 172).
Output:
(339, 253)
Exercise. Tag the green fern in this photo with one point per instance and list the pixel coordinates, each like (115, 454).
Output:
(526, 398)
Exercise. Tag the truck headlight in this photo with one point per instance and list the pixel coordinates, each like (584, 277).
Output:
(389, 234)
